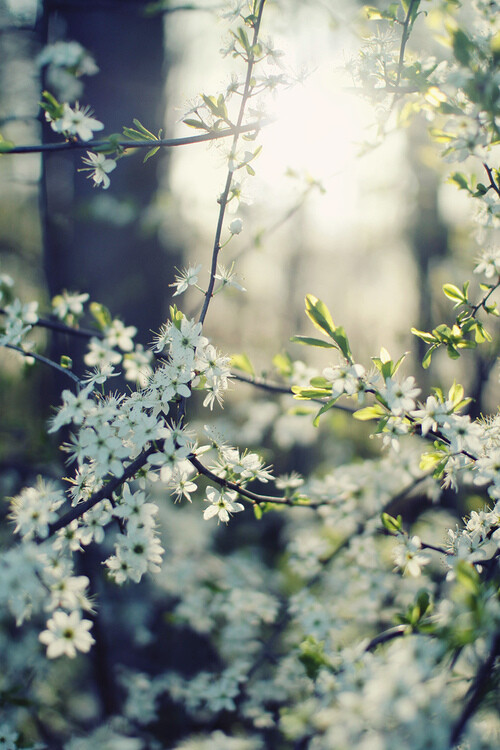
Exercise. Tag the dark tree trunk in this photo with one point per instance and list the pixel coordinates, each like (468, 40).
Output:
(95, 240)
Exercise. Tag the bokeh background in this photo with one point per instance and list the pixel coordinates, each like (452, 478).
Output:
(366, 224)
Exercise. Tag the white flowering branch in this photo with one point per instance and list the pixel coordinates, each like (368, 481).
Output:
(223, 200)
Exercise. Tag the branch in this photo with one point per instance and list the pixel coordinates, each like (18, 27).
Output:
(104, 493)
(225, 193)
(387, 635)
(243, 492)
(404, 39)
(493, 183)
(46, 361)
(162, 142)
(60, 327)
(276, 388)
(476, 692)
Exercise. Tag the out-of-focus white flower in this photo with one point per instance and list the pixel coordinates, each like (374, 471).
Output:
(408, 557)
(66, 634)
(236, 226)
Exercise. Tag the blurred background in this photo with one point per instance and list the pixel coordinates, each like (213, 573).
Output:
(370, 229)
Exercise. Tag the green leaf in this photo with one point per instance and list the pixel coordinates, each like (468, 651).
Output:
(195, 124)
(393, 525)
(467, 576)
(441, 136)
(139, 133)
(462, 47)
(319, 314)
(146, 133)
(176, 316)
(492, 309)
(375, 14)
(454, 293)
(6, 146)
(372, 13)
(101, 315)
(309, 341)
(151, 153)
(460, 179)
(482, 334)
(66, 362)
(320, 382)
(396, 367)
(340, 338)
(305, 394)
(312, 656)
(430, 460)
(456, 393)
(428, 356)
(369, 412)
(242, 362)
(326, 407)
(429, 338)
(283, 363)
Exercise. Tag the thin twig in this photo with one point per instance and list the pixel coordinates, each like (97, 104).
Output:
(476, 692)
(243, 492)
(225, 193)
(387, 635)
(60, 327)
(46, 361)
(493, 183)
(161, 142)
(266, 385)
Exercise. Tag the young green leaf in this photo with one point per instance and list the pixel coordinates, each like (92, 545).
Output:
(369, 412)
(242, 362)
(310, 341)
(319, 314)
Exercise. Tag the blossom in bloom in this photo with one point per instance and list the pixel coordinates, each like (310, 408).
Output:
(228, 278)
(75, 121)
(120, 336)
(68, 55)
(68, 592)
(348, 380)
(180, 484)
(137, 552)
(290, 481)
(187, 277)
(408, 557)
(394, 428)
(68, 304)
(99, 167)
(35, 508)
(100, 354)
(489, 263)
(8, 737)
(99, 375)
(26, 314)
(135, 510)
(462, 434)
(74, 409)
(66, 634)
(432, 414)
(222, 504)
(400, 396)
(137, 365)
